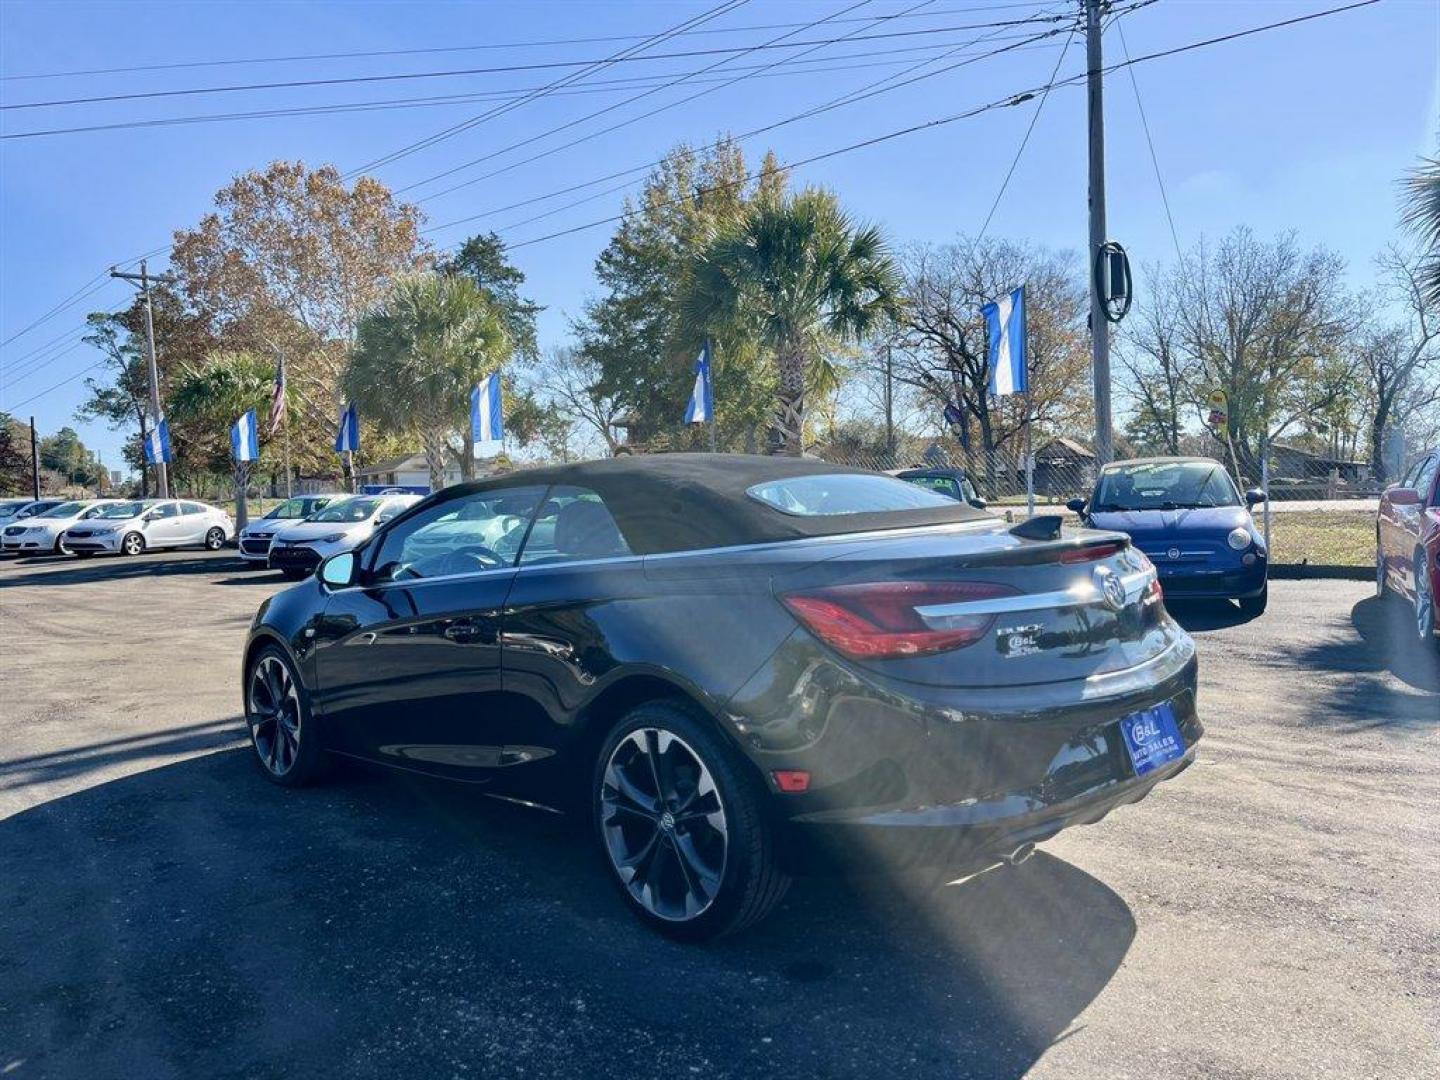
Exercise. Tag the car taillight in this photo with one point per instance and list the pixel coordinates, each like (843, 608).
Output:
(1093, 553)
(881, 620)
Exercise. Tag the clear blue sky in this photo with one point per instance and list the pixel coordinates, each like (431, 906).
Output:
(1304, 128)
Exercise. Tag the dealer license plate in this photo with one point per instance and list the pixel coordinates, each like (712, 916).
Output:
(1152, 738)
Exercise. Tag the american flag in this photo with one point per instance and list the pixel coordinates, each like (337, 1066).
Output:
(277, 399)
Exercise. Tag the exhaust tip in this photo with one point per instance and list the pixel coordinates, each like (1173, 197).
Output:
(1019, 855)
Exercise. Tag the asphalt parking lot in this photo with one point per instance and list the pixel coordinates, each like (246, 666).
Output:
(165, 912)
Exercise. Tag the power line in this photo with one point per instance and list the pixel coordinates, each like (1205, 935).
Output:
(1025, 140)
(578, 76)
(999, 103)
(609, 86)
(912, 129)
(864, 93)
(637, 119)
(291, 84)
(1154, 161)
(91, 287)
(62, 382)
(377, 53)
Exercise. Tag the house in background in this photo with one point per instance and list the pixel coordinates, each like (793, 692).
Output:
(1063, 467)
(408, 473)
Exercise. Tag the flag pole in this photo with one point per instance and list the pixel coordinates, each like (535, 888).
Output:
(287, 453)
(710, 359)
(1029, 413)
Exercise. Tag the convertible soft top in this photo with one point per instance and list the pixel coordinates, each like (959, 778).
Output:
(682, 502)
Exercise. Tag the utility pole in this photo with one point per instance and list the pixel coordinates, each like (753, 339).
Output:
(162, 471)
(1099, 324)
(889, 402)
(34, 461)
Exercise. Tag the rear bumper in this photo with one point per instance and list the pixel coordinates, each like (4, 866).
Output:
(903, 774)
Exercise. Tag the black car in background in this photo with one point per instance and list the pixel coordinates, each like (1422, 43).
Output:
(740, 667)
(952, 483)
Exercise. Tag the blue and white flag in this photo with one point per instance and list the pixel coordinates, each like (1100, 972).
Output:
(245, 438)
(157, 443)
(347, 439)
(701, 409)
(486, 424)
(1005, 323)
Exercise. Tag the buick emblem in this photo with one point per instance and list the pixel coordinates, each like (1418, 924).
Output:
(1174, 553)
(1111, 588)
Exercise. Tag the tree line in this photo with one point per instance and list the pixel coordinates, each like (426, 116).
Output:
(826, 338)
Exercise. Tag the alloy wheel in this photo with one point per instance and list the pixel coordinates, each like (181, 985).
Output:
(214, 539)
(274, 715)
(1424, 599)
(133, 545)
(664, 824)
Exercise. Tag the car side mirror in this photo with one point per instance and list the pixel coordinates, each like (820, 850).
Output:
(978, 503)
(151, 516)
(1254, 497)
(338, 571)
(1403, 496)
(1076, 505)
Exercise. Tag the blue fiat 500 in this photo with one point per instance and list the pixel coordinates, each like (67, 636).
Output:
(1188, 517)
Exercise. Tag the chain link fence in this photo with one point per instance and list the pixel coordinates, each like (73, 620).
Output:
(1321, 510)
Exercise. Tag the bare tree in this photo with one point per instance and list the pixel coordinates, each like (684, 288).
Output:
(944, 348)
(1401, 360)
(1162, 376)
(1269, 325)
(569, 381)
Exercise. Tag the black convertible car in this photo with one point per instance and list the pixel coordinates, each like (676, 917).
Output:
(741, 667)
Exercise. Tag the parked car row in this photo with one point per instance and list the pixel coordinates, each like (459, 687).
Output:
(297, 534)
(85, 527)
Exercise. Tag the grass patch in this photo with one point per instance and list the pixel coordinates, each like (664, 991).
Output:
(1322, 537)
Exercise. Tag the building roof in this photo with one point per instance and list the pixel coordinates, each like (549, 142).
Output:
(681, 502)
(412, 461)
(1079, 449)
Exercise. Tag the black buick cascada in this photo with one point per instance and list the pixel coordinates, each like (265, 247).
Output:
(739, 667)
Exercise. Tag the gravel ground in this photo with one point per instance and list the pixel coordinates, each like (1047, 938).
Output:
(164, 912)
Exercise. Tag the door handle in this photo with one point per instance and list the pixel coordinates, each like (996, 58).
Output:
(462, 631)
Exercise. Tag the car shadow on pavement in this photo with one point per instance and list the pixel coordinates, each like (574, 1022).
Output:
(68, 570)
(196, 920)
(1198, 616)
(1388, 642)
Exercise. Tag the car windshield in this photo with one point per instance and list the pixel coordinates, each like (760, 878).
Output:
(348, 510)
(824, 494)
(122, 510)
(1165, 485)
(296, 508)
(69, 509)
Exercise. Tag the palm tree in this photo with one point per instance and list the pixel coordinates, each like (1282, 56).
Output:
(205, 404)
(417, 356)
(1421, 212)
(794, 273)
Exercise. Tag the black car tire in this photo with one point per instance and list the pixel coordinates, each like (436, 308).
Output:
(132, 544)
(60, 548)
(1382, 584)
(751, 882)
(307, 764)
(1255, 605)
(215, 539)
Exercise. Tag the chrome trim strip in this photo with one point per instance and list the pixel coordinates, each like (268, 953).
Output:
(1081, 594)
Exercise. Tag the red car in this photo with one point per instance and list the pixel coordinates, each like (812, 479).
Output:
(1407, 538)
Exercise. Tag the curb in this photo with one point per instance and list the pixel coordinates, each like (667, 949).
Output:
(1303, 571)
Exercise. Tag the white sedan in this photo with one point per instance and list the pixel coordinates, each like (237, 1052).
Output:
(43, 533)
(345, 523)
(140, 525)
